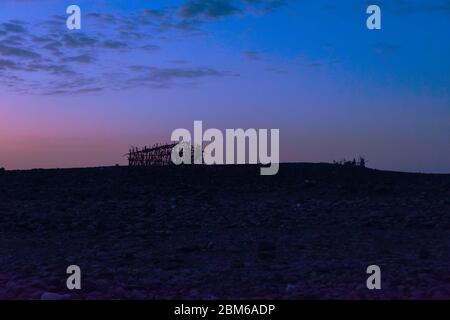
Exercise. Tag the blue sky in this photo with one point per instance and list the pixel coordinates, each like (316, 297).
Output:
(137, 70)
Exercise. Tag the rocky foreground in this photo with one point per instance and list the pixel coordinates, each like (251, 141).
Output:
(224, 232)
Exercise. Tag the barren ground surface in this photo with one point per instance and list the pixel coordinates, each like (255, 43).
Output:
(224, 233)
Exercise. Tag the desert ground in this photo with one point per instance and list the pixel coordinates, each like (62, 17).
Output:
(224, 232)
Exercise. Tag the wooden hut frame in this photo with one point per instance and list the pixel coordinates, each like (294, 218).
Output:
(157, 155)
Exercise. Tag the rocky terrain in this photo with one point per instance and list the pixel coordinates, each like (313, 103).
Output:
(224, 232)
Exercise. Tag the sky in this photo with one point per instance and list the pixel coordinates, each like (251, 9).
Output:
(137, 70)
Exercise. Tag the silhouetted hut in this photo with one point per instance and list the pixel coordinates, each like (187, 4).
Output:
(158, 155)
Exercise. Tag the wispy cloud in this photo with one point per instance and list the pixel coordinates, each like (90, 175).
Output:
(252, 55)
(38, 57)
(265, 6)
(167, 77)
(217, 9)
(53, 52)
(209, 9)
(413, 6)
(383, 48)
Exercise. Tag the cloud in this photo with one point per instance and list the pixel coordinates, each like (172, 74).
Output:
(209, 9)
(11, 51)
(165, 74)
(75, 84)
(14, 26)
(327, 47)
(54, 47)
(169, 74)
(112, 44)
(154, 13)
(149, 47)
(14, 40)
(276, 71)
(252, 55)
(312, 65)
(167, 77)
(178, 61)
(82, 58)
(266, 6)
(415, 7)
(440, 6)
(55, 69)
(8, 64)
(216, 9)
(78, 40)
(308, 63)
(73, 92)
(102, 18)
(383, 48)
(39, 57)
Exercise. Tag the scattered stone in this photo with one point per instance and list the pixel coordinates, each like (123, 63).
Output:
(266, 251)
(54, 296)
(237, 264)
(290, 288)
(424, 254)
(266, 246)
(189, 249)
(251, 242)
(173, 203)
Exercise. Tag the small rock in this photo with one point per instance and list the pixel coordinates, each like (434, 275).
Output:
(54, 296)
(266, 246)
(309, 183)
(119, 292)
(291, 288)
(189, 249)
(173, 203)
(194, 294)
(237, 264)
(266, 251)
(424, 254)
(138, 294)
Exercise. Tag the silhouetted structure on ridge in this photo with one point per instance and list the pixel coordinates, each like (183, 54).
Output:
(158, 155)
(361, 162)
